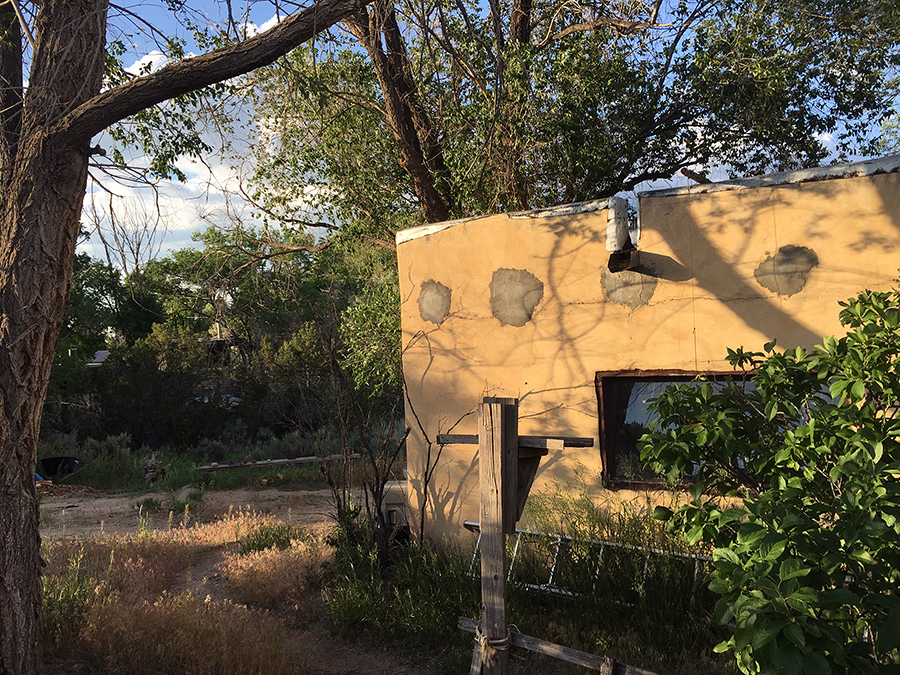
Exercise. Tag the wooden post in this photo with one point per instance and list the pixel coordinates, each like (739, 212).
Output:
(498, 448)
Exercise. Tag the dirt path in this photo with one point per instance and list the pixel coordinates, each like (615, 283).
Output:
(73, 511)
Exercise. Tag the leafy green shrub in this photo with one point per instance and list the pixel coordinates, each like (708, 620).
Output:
(370, 329)
(180, 471)
(109, 447)
(292, 445)
(58, 444)
(111, 472)
(209, 450)
(797, 485)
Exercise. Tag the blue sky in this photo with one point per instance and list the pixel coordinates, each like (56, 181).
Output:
(192, 205)
(184, 207)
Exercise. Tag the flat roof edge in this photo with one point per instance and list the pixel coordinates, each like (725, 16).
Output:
(411, 233)
(871, 167)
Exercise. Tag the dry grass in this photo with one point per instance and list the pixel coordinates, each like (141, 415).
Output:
(276, 578)
(112, 603)
(182, 634)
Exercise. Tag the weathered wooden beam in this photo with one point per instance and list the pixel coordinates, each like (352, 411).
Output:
(540, 442)
(498, 421)
(529, 460)
(273, 462)
(605, 664)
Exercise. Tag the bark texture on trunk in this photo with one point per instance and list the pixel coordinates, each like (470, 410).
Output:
(10, 86)
(421, 155)
(44, 147)
(40, 200)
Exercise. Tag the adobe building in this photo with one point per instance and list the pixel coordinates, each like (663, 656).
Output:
(525, 305)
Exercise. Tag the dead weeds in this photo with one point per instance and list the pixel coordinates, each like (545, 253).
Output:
(184, 600)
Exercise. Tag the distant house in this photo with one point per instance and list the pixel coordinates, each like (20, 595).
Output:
(525, 305)
(99, 358)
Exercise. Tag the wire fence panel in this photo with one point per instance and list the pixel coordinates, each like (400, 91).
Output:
(620, 573)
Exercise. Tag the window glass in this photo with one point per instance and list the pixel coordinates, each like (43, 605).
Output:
(629, 420)
(626, 417)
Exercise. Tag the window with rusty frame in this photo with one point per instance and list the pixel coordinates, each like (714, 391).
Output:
(622, 398)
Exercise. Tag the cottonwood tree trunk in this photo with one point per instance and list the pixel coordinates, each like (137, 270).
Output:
(421, 151)
(421, 154)
(514, 105)
(40, 204)
(42, 186)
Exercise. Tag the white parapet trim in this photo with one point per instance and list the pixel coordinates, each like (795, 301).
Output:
(615, 205)
(870, 167)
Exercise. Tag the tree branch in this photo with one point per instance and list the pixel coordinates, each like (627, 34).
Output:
(176, 79)
(619, 24)
(389, 245)
(421, 156)
(283, 218)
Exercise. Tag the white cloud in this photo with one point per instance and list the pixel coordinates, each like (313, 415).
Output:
(148, 64)
(271, 23)
(251, 28)
(205, 198)
(827, 140)
(208, 195)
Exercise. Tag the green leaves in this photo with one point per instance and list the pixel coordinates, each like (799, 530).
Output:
(563, 114)
(792, 569)
(662, 513)
(808, 544)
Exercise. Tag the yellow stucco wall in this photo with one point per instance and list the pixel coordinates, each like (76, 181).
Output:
(699, 293)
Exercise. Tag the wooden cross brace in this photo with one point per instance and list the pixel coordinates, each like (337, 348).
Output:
(507, 464)
(522, 465)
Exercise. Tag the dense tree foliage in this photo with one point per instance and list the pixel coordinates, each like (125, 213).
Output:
(890, 141)
(409, 112)
(46, 133)
(456, 109)
(225, 338)
(796, 483)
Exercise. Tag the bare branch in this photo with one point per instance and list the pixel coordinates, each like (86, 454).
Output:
(695, 176)
(10, 87)
(257, 257)
(22, 22)
(619, 24)
(389, 245)
(284, 219)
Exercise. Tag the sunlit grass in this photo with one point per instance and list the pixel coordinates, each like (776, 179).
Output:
(288, 578)
(122, 603)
